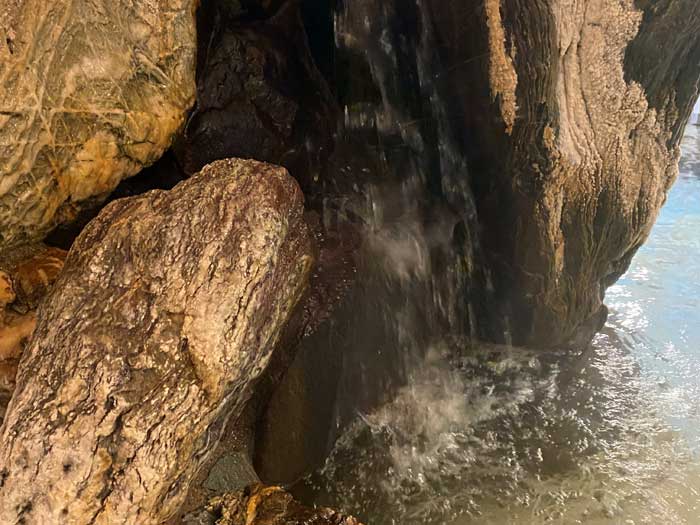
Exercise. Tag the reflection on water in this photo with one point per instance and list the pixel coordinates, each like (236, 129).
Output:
(498, 435)
(655, 306)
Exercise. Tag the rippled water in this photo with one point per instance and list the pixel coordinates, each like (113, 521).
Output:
(499, 435)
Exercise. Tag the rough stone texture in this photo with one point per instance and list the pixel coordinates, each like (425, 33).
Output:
(297, 395)
(26, 276)
(90, 93)
(167, 310)
(571, 112)
(259, 94)
(260, 505)
(271, 433)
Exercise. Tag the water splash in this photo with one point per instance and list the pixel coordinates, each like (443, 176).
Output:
(484, 434)
(500, 435)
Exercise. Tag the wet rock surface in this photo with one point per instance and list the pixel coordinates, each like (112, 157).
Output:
(90, 93)
(260, 505)
(296, 397)
(571, 115)
(259, 93)
(166, 312)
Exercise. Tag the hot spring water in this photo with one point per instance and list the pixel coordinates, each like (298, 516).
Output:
(485, 434)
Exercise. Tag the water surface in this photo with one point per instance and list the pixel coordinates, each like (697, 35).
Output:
(500, 435)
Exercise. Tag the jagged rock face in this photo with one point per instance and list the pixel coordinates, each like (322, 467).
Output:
(90, 93)
(572, 112)
(260, 505)
(259, 95)
(166, 312)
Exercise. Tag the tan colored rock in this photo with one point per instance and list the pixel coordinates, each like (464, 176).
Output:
(90, 93)
(166, 312)
(7, 291)
(25, 278)
(15, 330)
(29, 272)
(260, 505)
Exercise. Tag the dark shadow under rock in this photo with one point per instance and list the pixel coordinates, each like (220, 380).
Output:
(163, 175)
(259, 95)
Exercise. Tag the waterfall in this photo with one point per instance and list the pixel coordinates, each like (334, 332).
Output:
(431, 426)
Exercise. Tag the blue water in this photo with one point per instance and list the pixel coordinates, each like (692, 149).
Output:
(654, 307)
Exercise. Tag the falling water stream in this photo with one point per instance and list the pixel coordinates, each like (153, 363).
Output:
(496, 434)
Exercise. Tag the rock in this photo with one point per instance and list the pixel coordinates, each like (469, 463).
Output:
(295, 431)
(90, 93)
(166, 312)
(25, 278)
(271, 433)
(260, 505)
(232, 471)
(572, 114)
(259, 95)
(164, 174)
(7, 291)
(31, 271)
(296, 397)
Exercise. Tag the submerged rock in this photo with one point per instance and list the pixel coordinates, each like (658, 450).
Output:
(166, 312)
(260, 505)
(90, 93)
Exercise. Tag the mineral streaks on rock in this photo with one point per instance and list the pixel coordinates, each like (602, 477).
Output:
(503, 78)
(168, 308)
(90, 93)
(572, 149)
(260, 505)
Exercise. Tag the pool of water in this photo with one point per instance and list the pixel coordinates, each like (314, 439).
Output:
(655, 306)
(499, 435)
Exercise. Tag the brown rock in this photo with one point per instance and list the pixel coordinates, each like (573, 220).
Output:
(260, 505)
(259, 95)
(25, 278)
(296, 397)
(572, 113)
(166, 312)
(7, 291)
(90, 93)
(31, 271)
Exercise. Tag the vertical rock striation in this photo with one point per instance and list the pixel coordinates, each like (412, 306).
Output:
(90, 93)
(571, 112)
(166, 312)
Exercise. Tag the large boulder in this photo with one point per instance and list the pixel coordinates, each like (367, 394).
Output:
(166, 312)
(90, 93)
(572, 114)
